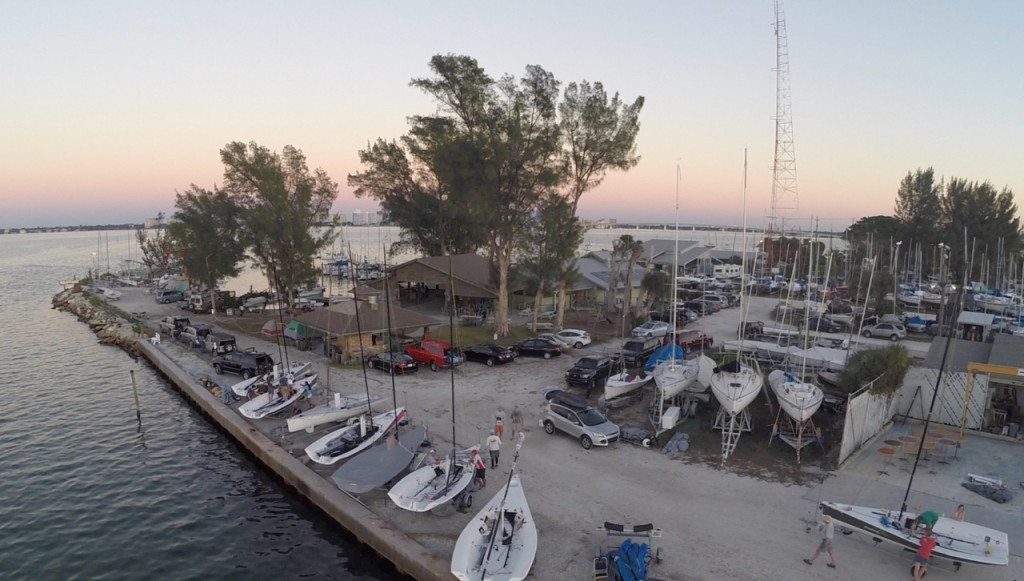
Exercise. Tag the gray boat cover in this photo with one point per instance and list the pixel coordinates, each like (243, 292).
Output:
(380, 464)
(1000, 495)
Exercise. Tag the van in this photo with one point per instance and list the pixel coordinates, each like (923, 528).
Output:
(169, 296)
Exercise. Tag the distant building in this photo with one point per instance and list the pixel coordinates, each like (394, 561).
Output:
(154, 223)
(363, 218)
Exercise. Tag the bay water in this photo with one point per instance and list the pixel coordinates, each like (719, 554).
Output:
(90, 491)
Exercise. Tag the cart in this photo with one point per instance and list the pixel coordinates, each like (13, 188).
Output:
(627, 552)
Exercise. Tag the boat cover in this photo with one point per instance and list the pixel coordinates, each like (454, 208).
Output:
(664, 353)
(378, 465)
(1000, 495)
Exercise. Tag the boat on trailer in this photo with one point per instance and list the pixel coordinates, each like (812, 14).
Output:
(958, 541)
(339, 409)
(431, 486)
(272, 402)
(353, 439)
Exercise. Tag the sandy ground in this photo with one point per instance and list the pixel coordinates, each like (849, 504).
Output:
(716, 523)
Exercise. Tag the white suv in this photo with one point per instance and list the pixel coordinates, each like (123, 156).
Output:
(574, 416)
(894, 331)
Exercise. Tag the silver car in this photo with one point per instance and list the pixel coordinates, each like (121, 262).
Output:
(893, 331)
(582, 422)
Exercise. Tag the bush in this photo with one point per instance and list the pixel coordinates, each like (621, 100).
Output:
(886, 366)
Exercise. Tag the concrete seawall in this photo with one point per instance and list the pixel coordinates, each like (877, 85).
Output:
(405, 553)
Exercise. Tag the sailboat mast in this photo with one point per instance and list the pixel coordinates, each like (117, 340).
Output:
(675, 267)
(359, 329)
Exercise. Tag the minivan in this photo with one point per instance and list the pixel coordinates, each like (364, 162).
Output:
(169, 296)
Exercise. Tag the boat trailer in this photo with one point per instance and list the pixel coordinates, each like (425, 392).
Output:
(627, 559)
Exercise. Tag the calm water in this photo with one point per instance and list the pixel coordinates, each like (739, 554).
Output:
(89, 492)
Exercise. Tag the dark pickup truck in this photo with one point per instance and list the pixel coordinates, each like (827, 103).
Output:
(592, 371)
(635, 352)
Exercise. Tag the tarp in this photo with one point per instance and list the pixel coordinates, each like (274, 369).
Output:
(664, 353)
(272, 328)
(296, 331)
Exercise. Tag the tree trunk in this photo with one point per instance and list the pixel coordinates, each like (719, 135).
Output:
(501, 310)
(537, 297)
(560, 307)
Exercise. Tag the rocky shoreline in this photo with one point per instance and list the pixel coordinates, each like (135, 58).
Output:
(110, 324)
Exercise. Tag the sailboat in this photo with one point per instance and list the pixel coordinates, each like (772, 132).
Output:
(799, 399)
(353, 438)
(675, 374)
(736, 383)
(430, 487)
(339, 409)
(623, 383)
(379, 464)
(272, 402)
(500, 542)
(958, 541)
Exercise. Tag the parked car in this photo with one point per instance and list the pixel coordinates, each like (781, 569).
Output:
(700, 307)
(823, 324)
(558, 340)
(575, 337)
(245, 363)
(169, 296)
(537, 347)
(392, 362)
(635, 352)
(716, 300)
(592, 371)
(653, 329)
(694, 339)
(219, 343)
(489, 353)
(172, 323)
(576, 417)
(434, 353)
(894, 331)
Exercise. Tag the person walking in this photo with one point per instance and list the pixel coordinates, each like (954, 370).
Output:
(494, 447)
(924, 555)
(499, 422)
(517, 421)
(480, 476)
(828, 531)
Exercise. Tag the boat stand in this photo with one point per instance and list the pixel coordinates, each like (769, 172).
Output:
(796, 434)
(667, 413)
(732, 426)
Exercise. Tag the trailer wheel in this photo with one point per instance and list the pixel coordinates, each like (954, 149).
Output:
(467, 501)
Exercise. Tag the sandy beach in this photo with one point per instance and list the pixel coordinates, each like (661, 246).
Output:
(716, 524)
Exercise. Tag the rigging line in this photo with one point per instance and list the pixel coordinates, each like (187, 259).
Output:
(282, 356)
(359, 330)
(391, 350)
(451, 341)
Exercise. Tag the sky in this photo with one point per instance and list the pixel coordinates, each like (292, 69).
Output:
(110, 108)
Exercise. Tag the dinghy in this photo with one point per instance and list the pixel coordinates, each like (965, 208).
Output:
(434, 485)
(958, 541)
(352, 439)
(341, 408)
(800, 400)
(500, 542)
(295, 368)
(272, 402)
(380, 464)
(624, 383)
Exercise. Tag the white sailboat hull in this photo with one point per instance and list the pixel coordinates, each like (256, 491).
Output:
(426, 488)
(958, 541)
(505, 554)
(734, 390)
(798, 399)
(676, 376)
(270, 403)
(339, 444)
(337, 410)
(623, 383)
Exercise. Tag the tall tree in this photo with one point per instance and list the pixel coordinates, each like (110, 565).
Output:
(158, 251)
(978, 217)
(598, 135)
(555, 234)
(919, 208)
(206, 231)
(283, 203)
(636, 250)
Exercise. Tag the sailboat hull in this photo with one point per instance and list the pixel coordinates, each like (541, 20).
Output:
(798, 399)
(624, 383)
(735, 390)
(958, 541)
(347, 442)
(675, 377)
(337, 410)
(427, 488)
(508, 553)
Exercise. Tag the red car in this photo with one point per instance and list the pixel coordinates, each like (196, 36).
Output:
(694, 339)
(434, 353)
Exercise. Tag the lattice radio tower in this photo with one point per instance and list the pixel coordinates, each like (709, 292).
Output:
(784, 194)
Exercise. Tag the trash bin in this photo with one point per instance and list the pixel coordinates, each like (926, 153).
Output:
(1012, 428)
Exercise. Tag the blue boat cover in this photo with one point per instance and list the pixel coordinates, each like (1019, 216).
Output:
(631, 561)
(664, 353)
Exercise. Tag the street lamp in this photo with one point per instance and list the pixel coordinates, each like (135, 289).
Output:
(896, 277)
(943, 255)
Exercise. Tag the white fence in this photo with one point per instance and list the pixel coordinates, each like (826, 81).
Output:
(867, 414)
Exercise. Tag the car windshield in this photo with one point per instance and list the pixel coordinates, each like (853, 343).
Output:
(587, 363)
(591, 417)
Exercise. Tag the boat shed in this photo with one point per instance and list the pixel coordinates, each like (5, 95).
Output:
(692, 257)
(595, 279)
(351, 332)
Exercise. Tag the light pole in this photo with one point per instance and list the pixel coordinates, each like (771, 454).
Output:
(896, 277)
(942, 287)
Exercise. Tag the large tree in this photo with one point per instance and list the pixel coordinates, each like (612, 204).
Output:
(919, 208)
(979, 224)
(283, 203)
(598, 135)
(206, 231)
(556, 233)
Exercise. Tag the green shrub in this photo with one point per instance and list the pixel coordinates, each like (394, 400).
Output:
(886, 366)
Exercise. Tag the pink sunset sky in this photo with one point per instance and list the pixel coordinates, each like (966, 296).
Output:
(109, 108)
